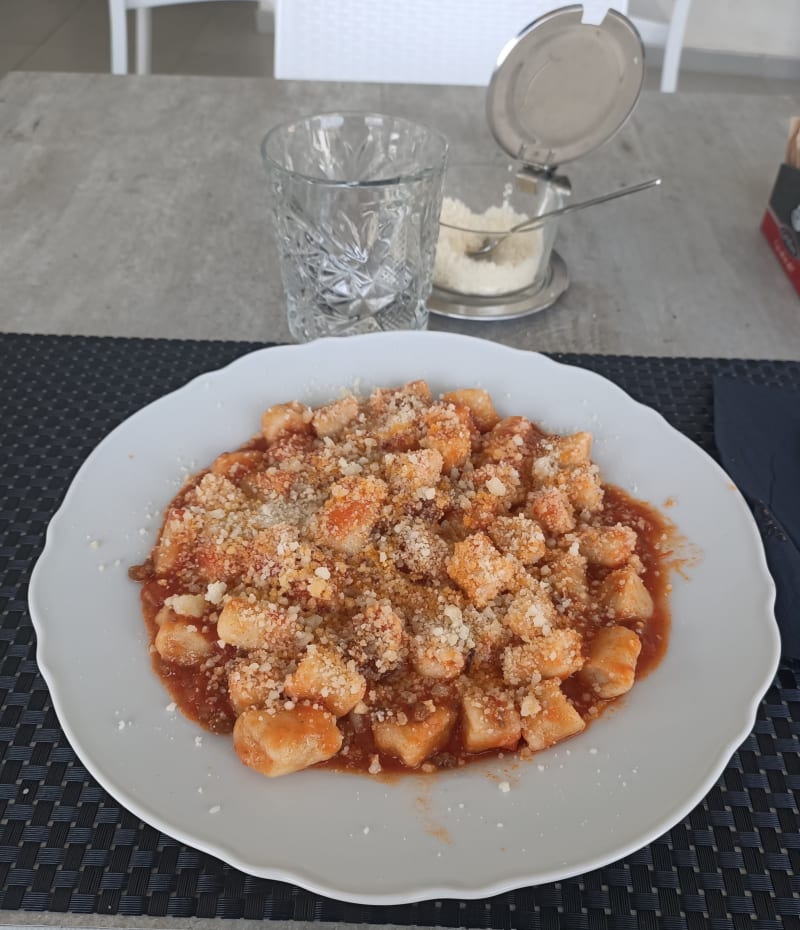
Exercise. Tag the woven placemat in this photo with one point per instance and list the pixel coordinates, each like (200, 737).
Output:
(67, 846)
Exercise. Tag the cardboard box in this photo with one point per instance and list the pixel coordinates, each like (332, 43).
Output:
(781, 223)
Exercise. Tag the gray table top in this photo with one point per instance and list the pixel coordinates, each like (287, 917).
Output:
(138, 206)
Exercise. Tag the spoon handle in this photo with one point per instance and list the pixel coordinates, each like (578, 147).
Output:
(573, 207)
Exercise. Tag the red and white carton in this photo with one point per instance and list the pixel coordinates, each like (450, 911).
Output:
(781, 223)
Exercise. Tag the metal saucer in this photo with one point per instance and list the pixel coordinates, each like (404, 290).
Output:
(503, 306)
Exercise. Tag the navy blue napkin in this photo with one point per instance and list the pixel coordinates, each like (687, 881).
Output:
(757, 430)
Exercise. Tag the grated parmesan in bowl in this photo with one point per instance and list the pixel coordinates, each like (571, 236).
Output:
(474, 209)
(513, 264)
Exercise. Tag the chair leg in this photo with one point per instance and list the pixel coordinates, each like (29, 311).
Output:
(119, 36)
(143, 33)
(674, 46)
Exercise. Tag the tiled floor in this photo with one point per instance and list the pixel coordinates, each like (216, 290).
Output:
(193, 38)
(218, 38)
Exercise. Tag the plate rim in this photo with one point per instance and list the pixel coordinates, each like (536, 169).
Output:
(433, 890)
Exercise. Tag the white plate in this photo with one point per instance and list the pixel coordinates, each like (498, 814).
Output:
(609, 791)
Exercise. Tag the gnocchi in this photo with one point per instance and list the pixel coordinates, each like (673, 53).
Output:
(402, 582)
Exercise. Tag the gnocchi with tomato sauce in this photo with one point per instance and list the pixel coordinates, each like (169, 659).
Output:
(403, 582)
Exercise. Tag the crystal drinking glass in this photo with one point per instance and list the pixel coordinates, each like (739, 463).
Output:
(356, 200)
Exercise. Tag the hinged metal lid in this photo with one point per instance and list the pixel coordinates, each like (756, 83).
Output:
(562, 88)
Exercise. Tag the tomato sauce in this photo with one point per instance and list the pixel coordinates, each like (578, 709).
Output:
(200, 690)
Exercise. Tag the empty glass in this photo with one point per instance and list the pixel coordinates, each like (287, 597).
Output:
(356, 200)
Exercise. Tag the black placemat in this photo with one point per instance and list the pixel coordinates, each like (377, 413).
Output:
(67, 846)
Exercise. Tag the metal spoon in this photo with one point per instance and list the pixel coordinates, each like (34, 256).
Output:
(489, 245)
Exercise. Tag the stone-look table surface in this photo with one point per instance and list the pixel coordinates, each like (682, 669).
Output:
(138, 206)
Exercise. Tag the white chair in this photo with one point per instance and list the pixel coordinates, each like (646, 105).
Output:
(118, 14)
(427, 41)
(669, 36)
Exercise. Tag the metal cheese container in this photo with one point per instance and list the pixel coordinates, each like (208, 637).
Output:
(561, 89)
